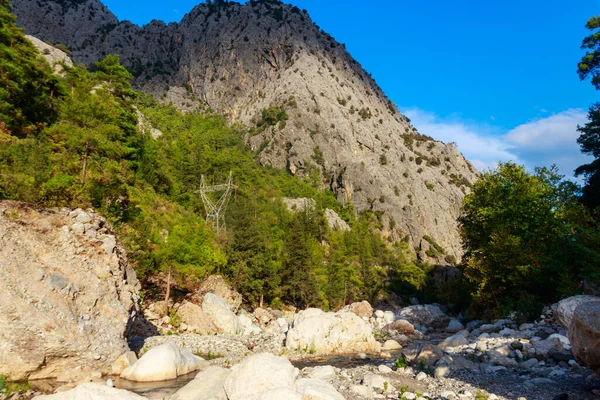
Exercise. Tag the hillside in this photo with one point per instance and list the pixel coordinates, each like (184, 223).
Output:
(241, 59)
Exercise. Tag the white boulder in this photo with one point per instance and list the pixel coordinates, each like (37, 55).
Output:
(207, 385)
(281, 394)
(92, 391)
(163, 363)
(258, 374)
(425, 315)
(316, 389)
(564, 309)
(220, 313)
(329, 333)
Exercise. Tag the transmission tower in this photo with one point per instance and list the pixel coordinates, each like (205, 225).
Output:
(215, 212)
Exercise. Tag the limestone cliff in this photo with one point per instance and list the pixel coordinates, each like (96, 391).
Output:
(239, 59)
(68, 295)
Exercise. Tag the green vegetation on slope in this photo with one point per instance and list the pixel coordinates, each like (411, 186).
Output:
(91, 153)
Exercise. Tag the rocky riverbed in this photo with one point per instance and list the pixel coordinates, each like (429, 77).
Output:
(71, 312)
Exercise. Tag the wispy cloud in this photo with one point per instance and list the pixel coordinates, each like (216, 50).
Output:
(540, 142)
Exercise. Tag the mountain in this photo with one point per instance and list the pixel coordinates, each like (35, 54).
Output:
(312, 107)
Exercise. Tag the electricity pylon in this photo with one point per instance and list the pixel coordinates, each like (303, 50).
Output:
(215, 212)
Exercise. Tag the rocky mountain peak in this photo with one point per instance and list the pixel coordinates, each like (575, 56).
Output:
(265, 55)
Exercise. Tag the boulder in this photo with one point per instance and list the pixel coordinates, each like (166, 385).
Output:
(543, 347)
(363, 309)
(426, 315)
(125, 360)
(316, 389)
(564, 309)
(258, 374)
(459, 339)
(65, 304)
(391, 345)
(584, 335)
(417, 353)
(377, 382)
(324, 373)
(207, 385)
(196, 319)
(454, 326)
(330, 333)
(281, 394)
(162, 363)
(221, 315)
(247, 326)
(216, 285)
(400, 327)
(92, 391)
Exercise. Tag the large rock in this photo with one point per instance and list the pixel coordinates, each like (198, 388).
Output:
(426, 315)
(281, 394)
(316, 389)
(92, 391)
(196, 318)
(257, 374)
(65, 303)
(584, 335)
(221, 315)
(163, 363)
(564, 309)
(216, 285)
(400, 327)
(544, 347)
(328, 333)
(363, 309)
(207, 385)
(418, 353)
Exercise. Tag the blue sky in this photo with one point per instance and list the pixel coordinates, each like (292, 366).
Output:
(497, 78)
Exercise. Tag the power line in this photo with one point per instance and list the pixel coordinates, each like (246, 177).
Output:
(215, 211)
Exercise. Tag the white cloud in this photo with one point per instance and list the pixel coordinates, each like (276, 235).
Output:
(541, 142)
(551, 140)
(477, 143)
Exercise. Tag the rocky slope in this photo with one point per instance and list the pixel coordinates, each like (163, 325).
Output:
(68, 296)
(240, 59)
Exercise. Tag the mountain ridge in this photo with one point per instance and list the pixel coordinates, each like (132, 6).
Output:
(241, 59)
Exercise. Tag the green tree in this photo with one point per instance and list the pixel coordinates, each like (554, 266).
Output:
(589, 141)
(589, 66)
(522, 234)
(28, 89)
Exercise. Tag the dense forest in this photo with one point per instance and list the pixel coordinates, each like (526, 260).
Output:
(75, 140)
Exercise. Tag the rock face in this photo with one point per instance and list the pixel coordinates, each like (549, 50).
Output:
(240, 59)
(67, 300)
(53, 55)
(258, 374)
(318, 332)
(584, 335)
(162, 363)
(564, 309)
